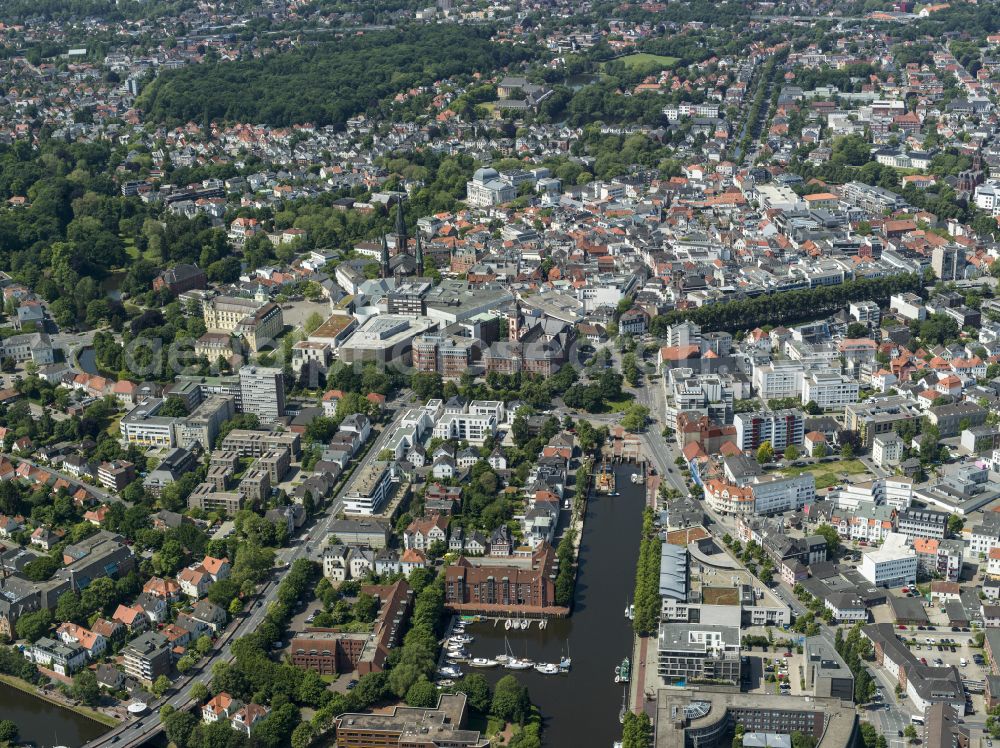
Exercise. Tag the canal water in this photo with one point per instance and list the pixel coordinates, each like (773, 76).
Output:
(87, 359)
(45, 724)
(581, 708)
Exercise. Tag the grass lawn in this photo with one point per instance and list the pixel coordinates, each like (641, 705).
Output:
(114, 427)
(644, 62)
(132, 251)
(487, 724)
(620, 405)
(828, 473)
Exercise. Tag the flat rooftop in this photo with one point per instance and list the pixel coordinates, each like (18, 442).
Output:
(701, 707)
(334, 325)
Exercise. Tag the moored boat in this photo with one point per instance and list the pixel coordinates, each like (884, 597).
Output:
(515, 664)
(482, 662)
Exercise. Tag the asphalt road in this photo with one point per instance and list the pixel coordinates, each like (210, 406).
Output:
(97, 491)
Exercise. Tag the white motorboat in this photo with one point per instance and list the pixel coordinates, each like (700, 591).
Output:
(630, 611)
(515, 664)
(507, 624)
(525, 623)
(450, 671)
(445, 683)
(461, 639)
(482, 662)
(547, 668)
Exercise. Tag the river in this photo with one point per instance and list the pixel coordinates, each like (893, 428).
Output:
(46, 724)
(581, 708)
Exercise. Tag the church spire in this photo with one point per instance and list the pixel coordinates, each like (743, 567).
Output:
(420, 257)
(385, 258)
(401, 239)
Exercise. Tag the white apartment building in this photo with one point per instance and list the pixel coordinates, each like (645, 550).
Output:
(909, 306)
(987, 197)
(981, 540)
(769, 494)
(865, 312)
(887, 449)
(778, 379)
(775, 493)
(683, 333)
(892, 565)
(829, 389)
(895, 492)
(471, 427)
(688, 109)
(369, 490)
(782, 428)
(495, 408)
(63, 658)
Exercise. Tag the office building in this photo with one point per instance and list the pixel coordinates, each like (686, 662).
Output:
(827, 675)
(706, 718)
(894, 564)
(202, 425)
(922, 523)
(254, 443)
(776, 493)
(948, 262)
(144, 428)
(262, 391)
(385, 339)
(444, 725)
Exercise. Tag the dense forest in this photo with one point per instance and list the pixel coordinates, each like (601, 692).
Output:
(328, 82)
(19, 10)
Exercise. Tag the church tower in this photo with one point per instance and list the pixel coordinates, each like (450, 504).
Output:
(401, 238)
(420, 257)
(385, 258)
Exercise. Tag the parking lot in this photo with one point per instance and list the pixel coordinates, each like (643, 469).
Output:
(943, 648)
(788, 670)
